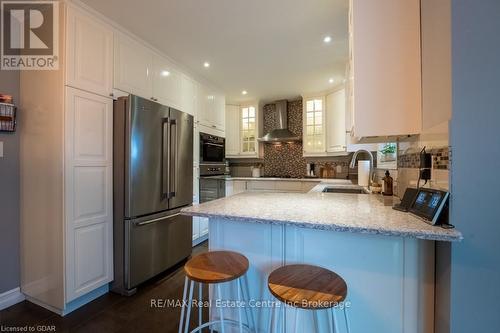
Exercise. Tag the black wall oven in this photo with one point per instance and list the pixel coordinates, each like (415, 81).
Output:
(212, 149)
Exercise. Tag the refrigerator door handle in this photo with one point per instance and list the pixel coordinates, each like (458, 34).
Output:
(165, 176)
(173, 164)
(140, 224)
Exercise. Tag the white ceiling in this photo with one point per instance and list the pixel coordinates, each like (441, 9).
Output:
(272, 48)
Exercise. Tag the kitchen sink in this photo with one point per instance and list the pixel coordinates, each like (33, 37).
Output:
(332, 189)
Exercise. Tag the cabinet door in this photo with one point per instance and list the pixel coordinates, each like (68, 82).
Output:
(89, 51)
(219, 116)
(189, 96)
(232, 130)
(205, 106)
(387, 67)
(196, 228)
(88, 192)
(203, 226)
(314, 126)
(133, 67)
(336, 122)
(167, 83)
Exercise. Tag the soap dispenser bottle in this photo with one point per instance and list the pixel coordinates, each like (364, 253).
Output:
(388, 184)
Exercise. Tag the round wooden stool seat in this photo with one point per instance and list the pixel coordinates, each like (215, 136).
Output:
(307, 287)
(216, 267)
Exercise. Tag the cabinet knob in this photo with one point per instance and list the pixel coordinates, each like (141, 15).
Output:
(213, 126)
(111, 95)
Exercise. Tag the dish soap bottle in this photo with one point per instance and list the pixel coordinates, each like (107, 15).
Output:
(388, 184)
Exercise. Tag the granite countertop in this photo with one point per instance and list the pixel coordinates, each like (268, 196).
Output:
(359, 213)
(309, 179)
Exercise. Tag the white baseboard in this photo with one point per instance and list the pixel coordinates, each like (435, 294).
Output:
(10, 298)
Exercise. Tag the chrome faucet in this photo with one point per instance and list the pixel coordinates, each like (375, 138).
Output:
(353, 162)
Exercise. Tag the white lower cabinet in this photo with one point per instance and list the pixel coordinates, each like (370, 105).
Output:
(196, 228)
(235, 186)
(88, 192)
(203, 226)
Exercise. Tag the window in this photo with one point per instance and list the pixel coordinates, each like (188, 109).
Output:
(314, 119)
(248, 129)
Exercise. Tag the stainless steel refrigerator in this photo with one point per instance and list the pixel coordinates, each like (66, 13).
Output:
(153, 181)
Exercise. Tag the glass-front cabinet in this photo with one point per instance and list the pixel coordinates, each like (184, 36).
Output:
(314, 125)
(242, 130)
(248, 129)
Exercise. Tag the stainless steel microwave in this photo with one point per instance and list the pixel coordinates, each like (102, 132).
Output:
(212, 149)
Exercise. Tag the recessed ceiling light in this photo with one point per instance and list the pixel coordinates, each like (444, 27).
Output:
(165, 73)
(206, 64)
(327, 39)
(244, 92)
(331, 80)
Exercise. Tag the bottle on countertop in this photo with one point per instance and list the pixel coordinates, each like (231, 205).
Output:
(388, 184)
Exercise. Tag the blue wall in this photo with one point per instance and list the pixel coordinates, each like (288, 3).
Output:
(475, 140)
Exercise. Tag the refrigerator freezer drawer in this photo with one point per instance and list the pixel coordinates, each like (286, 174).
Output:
(156, 245)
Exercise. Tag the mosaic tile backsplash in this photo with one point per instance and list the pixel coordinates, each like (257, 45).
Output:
(286, 160)
(440, 158)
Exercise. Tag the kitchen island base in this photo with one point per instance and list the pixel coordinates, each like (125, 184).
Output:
(390, 279)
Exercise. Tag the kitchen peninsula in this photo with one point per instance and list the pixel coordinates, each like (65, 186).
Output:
(385, 256)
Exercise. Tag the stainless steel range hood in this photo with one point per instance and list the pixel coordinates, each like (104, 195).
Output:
(281, 133)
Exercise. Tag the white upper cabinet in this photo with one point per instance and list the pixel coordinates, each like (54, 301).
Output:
(314, 125)
(189, 96)
(436, 64)
(232, 130)
(336, 122)
(386, 67)
(167, 83)
(211, 109)
(324, 129)
(133, 67)
(242, 131)
(89, 52)
(220, 111)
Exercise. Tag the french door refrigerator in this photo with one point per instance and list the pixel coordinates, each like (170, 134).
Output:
(153, 177)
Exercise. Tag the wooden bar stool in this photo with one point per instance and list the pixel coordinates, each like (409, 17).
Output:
(306, 287)
(216, 267)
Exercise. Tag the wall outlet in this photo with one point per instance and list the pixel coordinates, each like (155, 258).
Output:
(1, 149)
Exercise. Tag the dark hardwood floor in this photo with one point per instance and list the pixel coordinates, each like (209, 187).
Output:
(112, 312)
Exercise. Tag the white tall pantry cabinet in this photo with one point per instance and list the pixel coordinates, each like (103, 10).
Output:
(66, 169)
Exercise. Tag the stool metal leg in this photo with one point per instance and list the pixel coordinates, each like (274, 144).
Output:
(347, 324)
(246, 295)
(200, 300)
(239, 307)
(335, 321)
(316, 319)
(296, 325)
(330, 321)
(222, 329)
(190, 304)
(271, 315)
(275, 319)
(184, 300)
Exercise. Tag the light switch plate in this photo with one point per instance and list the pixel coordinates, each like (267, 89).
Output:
(1, 149)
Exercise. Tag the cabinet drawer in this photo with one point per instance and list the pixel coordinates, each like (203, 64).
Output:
(289, 186)
(261, 185)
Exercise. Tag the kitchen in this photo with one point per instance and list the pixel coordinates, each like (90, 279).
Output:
(258, 153)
